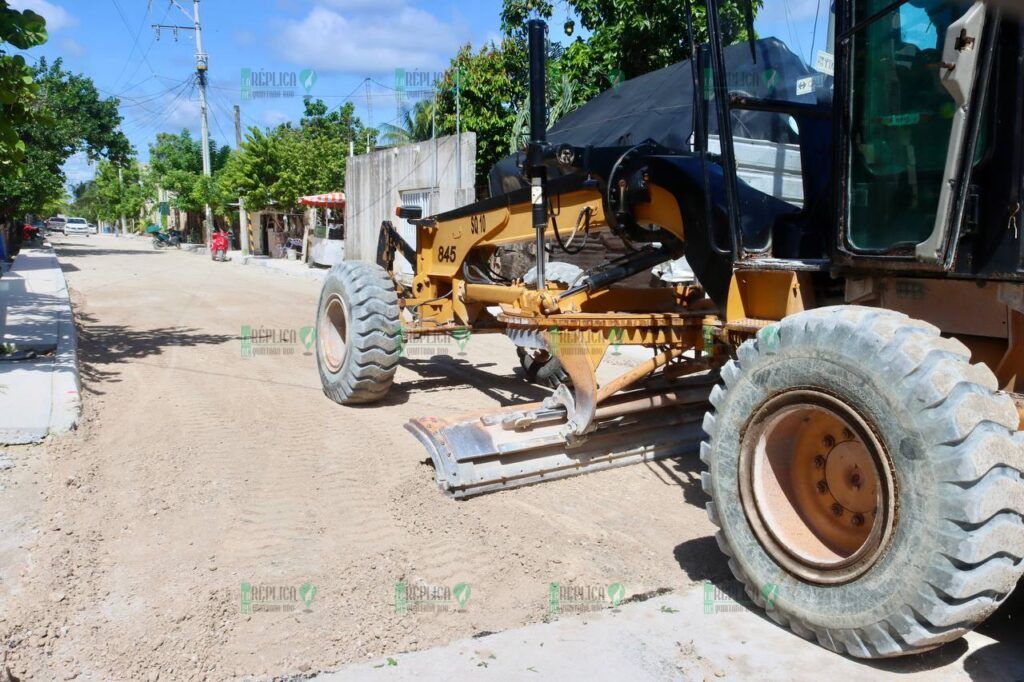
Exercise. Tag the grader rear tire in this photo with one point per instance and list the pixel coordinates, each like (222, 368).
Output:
(867, 481)
(358, 333)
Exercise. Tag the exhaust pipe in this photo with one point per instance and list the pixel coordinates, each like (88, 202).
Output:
(537, 31)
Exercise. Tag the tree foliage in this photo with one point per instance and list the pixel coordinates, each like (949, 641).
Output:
(626, 39)
(176, 163)
(491, 88)
(68, 117)
(417, 125)
(21, 30)
(276, 167)
(110, 195)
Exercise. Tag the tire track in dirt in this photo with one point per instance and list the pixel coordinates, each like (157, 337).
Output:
(197, 469)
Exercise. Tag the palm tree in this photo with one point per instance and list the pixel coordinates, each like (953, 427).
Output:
(563, 94)
(417, 125)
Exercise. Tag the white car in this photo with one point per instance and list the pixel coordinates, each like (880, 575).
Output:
(93, 229)
(56, 224)
(76, 226)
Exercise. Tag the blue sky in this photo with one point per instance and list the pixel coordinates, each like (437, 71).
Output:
(345, 42)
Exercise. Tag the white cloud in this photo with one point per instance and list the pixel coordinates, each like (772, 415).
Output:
(245, 38)
(56, 16)
(386, 35)
(185, 114)
(273, 117)
(71, 47)
(375, 6)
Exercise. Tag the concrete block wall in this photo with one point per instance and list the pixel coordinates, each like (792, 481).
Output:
(374, 184)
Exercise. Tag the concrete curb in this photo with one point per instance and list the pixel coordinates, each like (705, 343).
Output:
(287, 267)
(67, 383)
(700, 634)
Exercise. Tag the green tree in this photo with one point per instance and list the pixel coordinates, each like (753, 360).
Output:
(490, 85)
(110, 194)
(276, 167)
(69, 117)
(176, 163)
(417, 125)
(627, 39)
(18, 88)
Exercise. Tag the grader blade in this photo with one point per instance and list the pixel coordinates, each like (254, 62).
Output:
(481, 453)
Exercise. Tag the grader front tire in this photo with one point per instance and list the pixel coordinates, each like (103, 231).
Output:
(358, 333)
(914, 534)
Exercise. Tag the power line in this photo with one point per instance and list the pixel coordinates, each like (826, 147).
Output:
(135, 44)
(156, 118)
(793, 36)
(124, 20)
(814, 35)
(145, 55)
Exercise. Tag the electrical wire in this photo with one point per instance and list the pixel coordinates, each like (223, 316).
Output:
(135, 44)
(124, 20)
(814, 34)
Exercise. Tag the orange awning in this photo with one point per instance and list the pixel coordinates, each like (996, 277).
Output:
(330, 200)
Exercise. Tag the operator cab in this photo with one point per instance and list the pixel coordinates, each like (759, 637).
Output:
(891, 152)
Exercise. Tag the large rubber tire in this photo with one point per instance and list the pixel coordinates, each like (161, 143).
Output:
(363, 370)
(955, 553)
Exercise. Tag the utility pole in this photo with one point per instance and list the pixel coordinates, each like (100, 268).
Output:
(433, 138)
(243, 217)
(458, 134)
(120, 182)
(202, 66)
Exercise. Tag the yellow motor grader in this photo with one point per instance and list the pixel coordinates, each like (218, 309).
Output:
(846, 363)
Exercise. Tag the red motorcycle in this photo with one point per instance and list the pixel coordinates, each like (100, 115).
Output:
(219, 245)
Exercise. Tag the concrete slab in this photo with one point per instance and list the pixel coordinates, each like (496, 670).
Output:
(295, 268)
(38, 396)
(684, 637)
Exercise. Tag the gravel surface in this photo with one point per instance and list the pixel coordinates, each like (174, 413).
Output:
(125, 544)
(203, 463)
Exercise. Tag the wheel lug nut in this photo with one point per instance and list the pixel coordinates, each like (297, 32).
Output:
(858, 520)
(819, 462)
(829, 442)
(847, 434)
(822, 487)
(837, 509)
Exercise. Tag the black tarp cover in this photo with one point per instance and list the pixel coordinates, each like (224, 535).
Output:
(658, 106)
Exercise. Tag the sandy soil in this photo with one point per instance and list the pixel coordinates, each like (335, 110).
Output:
(123, 546)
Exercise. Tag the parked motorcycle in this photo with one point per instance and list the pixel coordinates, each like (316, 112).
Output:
(219, 245)
(169, 239)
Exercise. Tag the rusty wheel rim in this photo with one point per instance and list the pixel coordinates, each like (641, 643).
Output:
(817, 487)
(333, 333)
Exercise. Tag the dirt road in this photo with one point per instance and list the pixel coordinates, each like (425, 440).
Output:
(203, 463)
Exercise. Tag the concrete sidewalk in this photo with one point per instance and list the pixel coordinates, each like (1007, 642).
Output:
(681, 637)
(295, 268)
(39, 381)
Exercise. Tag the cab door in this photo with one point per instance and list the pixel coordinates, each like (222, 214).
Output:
(911, 70)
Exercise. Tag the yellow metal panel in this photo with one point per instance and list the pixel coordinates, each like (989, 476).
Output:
(768, 295)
